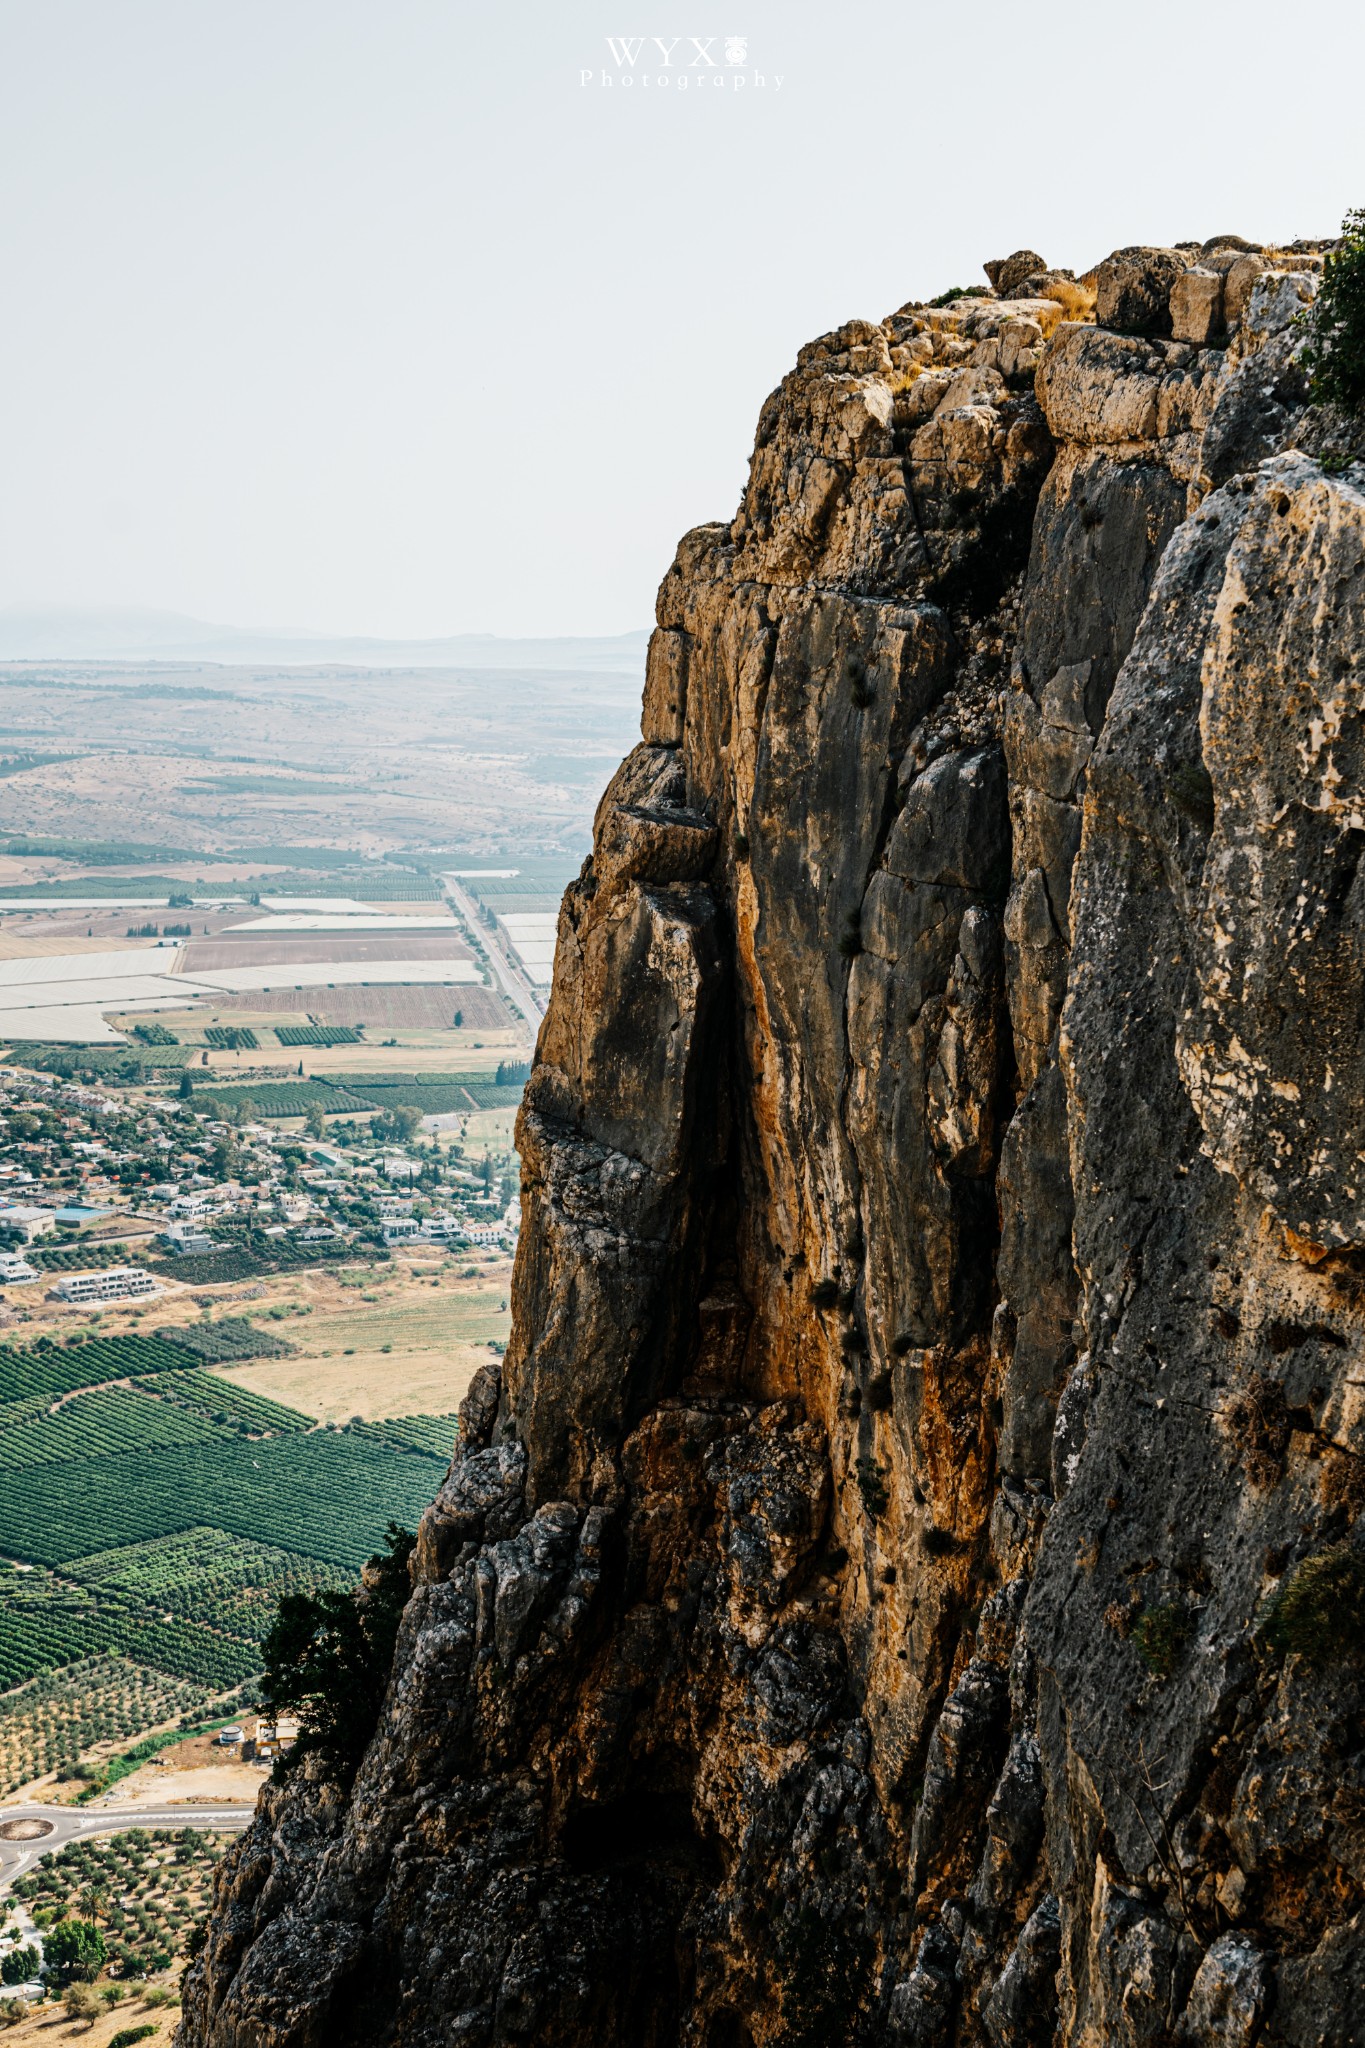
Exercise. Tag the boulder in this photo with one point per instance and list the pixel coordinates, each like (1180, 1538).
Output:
(1237, 287)
(1133, 290)
(1197, 306)
(1005, 272)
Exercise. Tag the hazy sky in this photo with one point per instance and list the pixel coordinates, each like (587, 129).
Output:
(375, 318)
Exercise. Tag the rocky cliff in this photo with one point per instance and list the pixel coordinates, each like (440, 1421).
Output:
(903, 1585)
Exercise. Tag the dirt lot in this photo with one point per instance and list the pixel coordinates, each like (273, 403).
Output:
(159, 1782)
(50, 2025)
(435, 1323)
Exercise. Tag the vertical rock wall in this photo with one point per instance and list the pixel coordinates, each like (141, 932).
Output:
(938, 1311)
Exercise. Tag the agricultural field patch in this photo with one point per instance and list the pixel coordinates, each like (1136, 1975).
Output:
(228, 1409)
(434, 1434)
(83, 1257)
(414, 1346)
(324, 1494)
(103, 1424)
(194, 1564)
(434, 1094)
(230, 1337)
(231, 1038)
(47, 1621)
(413, 1006)
(75, 1063)
(210, 1575)
(156, 1522)
(145, 1890)
(285, 1254)
(285, 1098)
(313, 950)
(370, 884)
(63, 1368)
(49, 1722)
(318, 1034)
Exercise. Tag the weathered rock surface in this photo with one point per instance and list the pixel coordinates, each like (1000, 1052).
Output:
(939, 1311)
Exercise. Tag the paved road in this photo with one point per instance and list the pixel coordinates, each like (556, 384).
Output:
(77, 1823)
(516, 986)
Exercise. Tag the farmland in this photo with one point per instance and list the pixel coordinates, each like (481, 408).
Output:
(404, 1006)
(408, 1337)
(277, 939)
(327, 1492)
(154, 1509)
(317, 1034)
(54, 1718)
(62, 1369)
(102, 1424)
(308, 952)
(148, 1890)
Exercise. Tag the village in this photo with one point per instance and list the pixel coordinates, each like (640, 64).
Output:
(106, 1198)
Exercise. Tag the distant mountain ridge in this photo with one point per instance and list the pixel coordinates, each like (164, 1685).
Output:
(52, 633)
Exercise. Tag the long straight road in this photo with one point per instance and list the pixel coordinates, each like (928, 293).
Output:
(77, 1823)
(517, 986)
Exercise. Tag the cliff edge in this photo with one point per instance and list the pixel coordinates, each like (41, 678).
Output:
(904, 1587)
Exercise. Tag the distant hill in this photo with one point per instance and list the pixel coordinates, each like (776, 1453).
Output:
(36, 633)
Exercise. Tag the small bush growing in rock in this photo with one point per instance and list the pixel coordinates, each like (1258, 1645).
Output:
(873, 1487)
(1336, 354)
(1161, 1637)
(1258, 1427)
(1319, 1614)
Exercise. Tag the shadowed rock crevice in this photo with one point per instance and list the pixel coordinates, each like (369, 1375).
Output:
(884, 1597)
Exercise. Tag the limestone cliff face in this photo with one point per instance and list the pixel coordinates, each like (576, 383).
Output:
(939, 1316)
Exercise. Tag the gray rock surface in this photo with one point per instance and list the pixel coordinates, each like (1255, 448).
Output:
(938, 1316)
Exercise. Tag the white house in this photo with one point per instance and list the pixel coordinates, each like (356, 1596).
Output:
(187, 1239)
(117, 1284)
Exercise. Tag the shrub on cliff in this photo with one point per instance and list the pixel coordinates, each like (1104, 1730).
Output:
(1336, 354)
(1162, 1636)
(327, 1658)
(1319, 1614)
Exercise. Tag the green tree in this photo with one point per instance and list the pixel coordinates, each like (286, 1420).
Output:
(93, 1900)
(398, 1125)
(19, 1965)
(186, 1088)
(1336, 353)
(314, 1122)
(327, 1658)
(75, 1951)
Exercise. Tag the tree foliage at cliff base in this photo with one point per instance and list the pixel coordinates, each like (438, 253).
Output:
(328, 1656)
(1336, 353)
